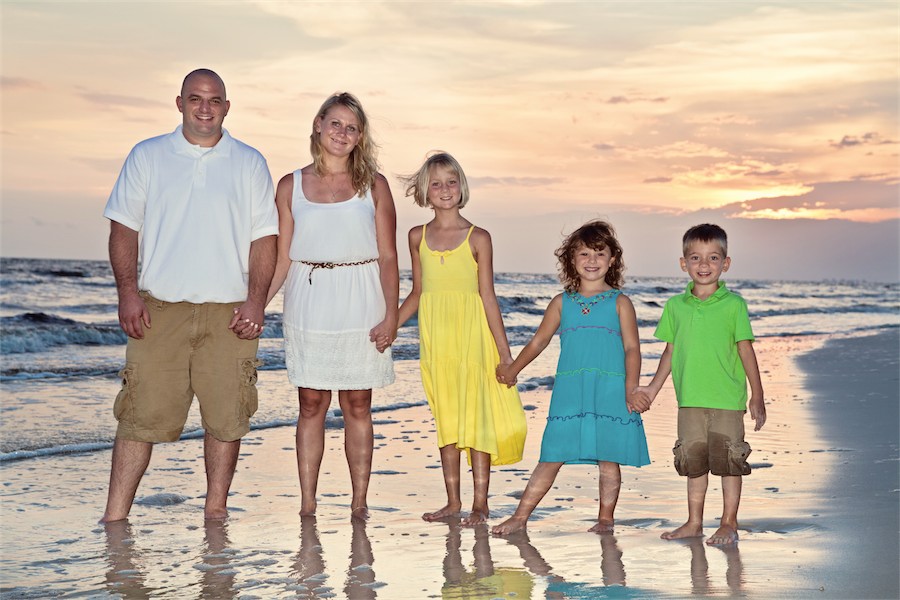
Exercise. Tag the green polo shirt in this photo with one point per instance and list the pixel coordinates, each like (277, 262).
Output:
(706, 368)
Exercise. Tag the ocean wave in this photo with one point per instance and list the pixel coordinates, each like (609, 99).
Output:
(334, 420)
(37, 331)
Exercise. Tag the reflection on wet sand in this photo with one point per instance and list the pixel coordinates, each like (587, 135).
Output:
(700, 580)
(124, 578)
(218, 569)
(487, 580)
(309, 564)
(611, 567)
(483, 580)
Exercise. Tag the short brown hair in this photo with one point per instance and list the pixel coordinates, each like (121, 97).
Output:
(706, 232)
(595, 235)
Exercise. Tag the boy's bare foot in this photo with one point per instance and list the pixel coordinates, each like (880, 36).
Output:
(476, 517)
(603, 526)
(688, 530)
(726, 534)
(510, 525)
(451, 510)
(360, 513)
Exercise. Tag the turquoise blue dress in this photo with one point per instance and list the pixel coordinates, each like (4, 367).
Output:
(588, 421)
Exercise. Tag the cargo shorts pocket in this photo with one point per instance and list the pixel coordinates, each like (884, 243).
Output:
(123, 407)
(248, 378)
(737, 458)
(681, 458)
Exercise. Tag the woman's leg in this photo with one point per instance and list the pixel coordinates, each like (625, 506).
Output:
(310, 444)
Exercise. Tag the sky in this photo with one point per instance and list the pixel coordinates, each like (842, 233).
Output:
(776, 120)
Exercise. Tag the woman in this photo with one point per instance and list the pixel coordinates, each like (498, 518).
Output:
(337, 250)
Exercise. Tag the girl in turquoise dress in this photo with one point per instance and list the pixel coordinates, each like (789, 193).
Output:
(594, 415)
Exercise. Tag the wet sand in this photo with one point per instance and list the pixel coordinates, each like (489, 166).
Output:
(818, 514)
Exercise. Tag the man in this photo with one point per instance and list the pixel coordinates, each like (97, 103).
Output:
(203, 203)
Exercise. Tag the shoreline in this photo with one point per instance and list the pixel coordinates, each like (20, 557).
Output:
(799, 538)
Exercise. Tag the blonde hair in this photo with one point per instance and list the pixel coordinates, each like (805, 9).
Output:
(363, 163)
(417, 183)
(595, 235)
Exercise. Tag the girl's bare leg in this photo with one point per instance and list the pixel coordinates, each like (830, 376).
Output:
(541, 480)
(356, 406)
(450, 467)
(696, 491)
(310, 444)
(610, 484)
(481, 477)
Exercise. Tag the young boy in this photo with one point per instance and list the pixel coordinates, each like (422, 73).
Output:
(709, 352)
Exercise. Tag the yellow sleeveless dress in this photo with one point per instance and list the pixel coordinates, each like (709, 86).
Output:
(459, 357)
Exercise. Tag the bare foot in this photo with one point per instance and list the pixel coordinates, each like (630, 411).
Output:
(510, 525)
(476, 517)
(308, 509)
(688, 530)
(215, 515)
(725, 534)
(603, 526)
(360, 513)
(451, 510)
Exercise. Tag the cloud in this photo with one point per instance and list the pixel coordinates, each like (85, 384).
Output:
(604, 147)
(12, 84)
(658, 180)
(865, 201)
(630, 100)
(515, 181)
(867, 139)
(119, 101)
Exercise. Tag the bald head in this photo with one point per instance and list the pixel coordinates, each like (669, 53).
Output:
(205, 73)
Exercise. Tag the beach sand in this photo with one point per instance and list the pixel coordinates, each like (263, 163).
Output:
(819, 513)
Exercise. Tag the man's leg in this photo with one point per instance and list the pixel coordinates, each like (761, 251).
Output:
(129, 462)
(221, 460)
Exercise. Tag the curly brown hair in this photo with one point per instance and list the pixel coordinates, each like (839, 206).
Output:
(595, 235)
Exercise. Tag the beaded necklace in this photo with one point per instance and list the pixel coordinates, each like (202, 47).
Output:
(584, 303)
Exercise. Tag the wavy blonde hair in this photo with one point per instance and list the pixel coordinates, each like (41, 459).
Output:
(417, 183)
(595, 235)
(363, 162)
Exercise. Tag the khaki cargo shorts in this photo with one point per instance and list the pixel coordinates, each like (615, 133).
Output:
(187, 350)
(711, 440)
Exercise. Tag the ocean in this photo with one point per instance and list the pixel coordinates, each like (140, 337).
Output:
(62, 348)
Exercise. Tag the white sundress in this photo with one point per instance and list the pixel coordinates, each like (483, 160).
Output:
(329, 311)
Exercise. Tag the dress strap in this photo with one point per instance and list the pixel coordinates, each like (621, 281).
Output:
(471, 228)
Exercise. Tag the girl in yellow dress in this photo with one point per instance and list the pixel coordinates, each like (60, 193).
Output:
(461, 337)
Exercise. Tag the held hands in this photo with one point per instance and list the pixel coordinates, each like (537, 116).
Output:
(638, 400)
(133, 315)
(506, 375)
(758, 411)
(247, 322)
(383, 335)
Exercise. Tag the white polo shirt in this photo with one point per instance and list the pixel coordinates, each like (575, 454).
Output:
(197, 209)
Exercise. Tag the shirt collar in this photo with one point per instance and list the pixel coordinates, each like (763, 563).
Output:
(182, 146)
(720, 293)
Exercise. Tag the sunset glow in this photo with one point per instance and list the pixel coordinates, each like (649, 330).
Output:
(557, 111)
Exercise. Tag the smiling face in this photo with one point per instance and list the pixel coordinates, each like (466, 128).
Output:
(592, 265)
(338, 130)
(203, 107)
(705, 262)
(444, 191)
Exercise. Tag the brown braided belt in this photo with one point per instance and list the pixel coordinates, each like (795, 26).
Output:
(331, 265)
